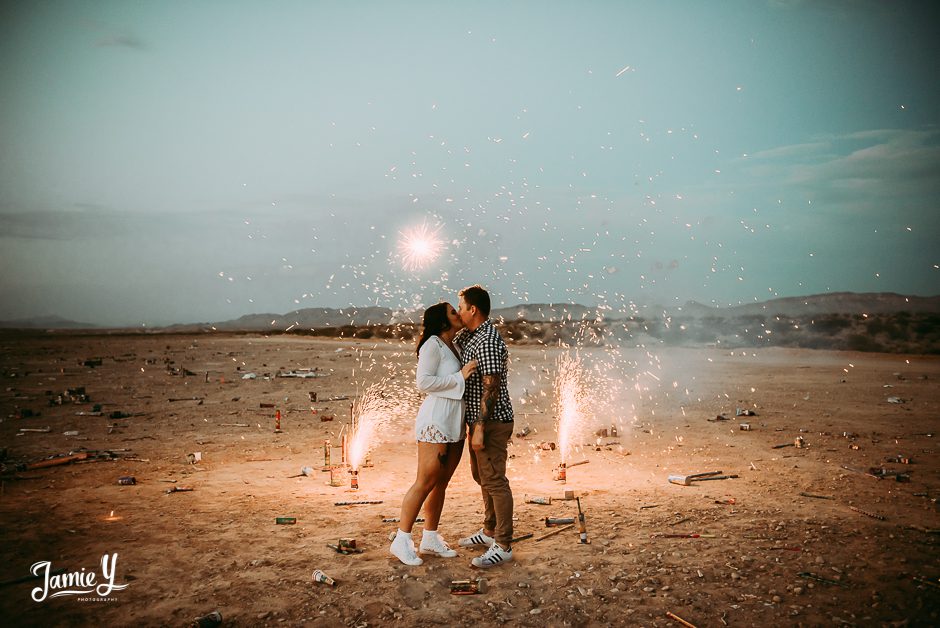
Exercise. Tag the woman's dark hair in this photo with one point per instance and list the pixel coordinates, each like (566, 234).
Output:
(435, 321)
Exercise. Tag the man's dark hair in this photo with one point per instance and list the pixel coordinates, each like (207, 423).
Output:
(476, 295)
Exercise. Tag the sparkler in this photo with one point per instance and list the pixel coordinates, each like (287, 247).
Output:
(419, 246)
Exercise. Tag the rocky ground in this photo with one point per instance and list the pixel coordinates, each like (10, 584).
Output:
(779, 545)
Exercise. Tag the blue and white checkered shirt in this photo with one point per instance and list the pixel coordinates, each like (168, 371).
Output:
(486, 346)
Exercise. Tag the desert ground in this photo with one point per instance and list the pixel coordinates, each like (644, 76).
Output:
(779, 545)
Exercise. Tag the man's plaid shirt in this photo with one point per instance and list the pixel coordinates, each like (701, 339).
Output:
(486, 346)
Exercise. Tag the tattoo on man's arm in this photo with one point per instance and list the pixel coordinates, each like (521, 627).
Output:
(490, 395)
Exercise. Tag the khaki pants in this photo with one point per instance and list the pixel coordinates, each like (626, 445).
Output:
(488, 467)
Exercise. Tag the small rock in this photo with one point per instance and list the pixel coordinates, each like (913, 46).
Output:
(819, 560)
(535, 611)
(775, 599)
(797, 590)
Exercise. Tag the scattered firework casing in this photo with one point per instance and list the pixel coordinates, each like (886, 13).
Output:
(354, 480)
(569, 495)
(561, 473)
(613, 429)
(798, 442)
(552, 522)
(211, 620)
(601, 432)
(319, 576)
(336, 476)
(745, 427)
(547, 446)
(536, 499)
(346, 543)
(854, 446)
(327, 447)
(194, 457)
(127, 480)
(345, 454)
(468, 587)
(285, 520)
(277, 420)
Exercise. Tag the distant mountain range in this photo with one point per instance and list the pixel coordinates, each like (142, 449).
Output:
(313, 318)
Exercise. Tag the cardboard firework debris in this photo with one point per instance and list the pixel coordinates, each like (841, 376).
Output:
(744, 412)
(194, 457)
(179, 489)
(56, 461)
(679, 620)
(868, 514)
(816, 496)
(468, 587)
(356, 503)
(574, 464)
(811, 576)
(524, 432)
(686, 480)
(554, 522)
(319, 576)
(397, 520)
(581, 523)
(41, 430)
(553, 532)
(538, 499)
(547, 446)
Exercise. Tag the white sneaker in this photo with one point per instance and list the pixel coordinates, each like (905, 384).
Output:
(403, 548)
(432, 543)
(480, 538)
(492, 557)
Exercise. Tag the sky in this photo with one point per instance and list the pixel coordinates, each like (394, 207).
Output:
(174, 162)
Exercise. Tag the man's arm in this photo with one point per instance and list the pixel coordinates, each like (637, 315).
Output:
(487, 407)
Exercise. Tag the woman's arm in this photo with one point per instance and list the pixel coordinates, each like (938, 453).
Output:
(450, 386)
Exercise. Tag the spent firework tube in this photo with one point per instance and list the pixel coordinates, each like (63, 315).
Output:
(468, 587)
(551, 522)
(319, 576)
(538, 499)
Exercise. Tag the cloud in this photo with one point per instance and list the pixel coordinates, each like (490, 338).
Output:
(864, 170)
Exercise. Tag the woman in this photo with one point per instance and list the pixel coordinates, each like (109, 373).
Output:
(440, 433)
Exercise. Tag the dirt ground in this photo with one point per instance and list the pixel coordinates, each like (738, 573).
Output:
(788, 515)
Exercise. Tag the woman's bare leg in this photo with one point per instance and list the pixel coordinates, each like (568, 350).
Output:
(429, 470)
(434, 504)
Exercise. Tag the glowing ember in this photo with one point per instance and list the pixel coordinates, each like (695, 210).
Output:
(571, 408)
(419, 246)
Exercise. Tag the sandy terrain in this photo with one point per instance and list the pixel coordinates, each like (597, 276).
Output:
(218, 547)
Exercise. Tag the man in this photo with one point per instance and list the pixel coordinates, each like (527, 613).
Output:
(488, 413)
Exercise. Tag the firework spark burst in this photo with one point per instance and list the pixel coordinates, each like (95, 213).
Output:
(571, 403)
(419, 246)
(383, 404)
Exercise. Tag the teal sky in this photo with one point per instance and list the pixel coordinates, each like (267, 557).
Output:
(196, 161)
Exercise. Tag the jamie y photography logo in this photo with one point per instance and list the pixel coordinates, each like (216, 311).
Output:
(76, 582)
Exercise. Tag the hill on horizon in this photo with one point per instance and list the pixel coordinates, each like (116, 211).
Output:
(319, 317)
